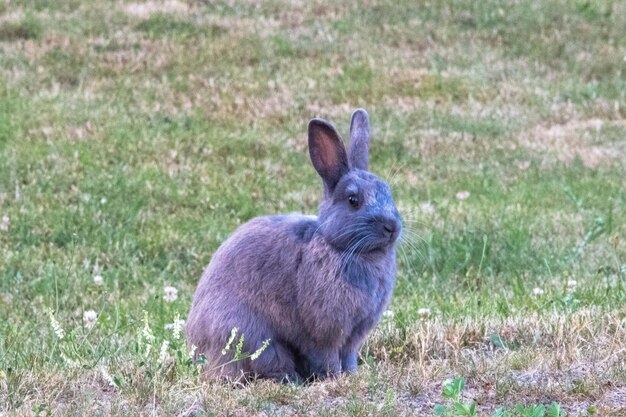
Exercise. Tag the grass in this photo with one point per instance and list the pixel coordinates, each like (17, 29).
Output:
(26, 28)
(134, 138)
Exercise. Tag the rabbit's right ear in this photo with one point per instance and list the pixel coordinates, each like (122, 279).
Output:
(359, 139)
(328, 153)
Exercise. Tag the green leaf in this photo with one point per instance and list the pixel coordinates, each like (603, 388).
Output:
(467, 409)
(439, 410)
(497, 341)
(539, 411)
(472, 409)
(118, 381)
(554, 410)
(453, 389)
(202, 360)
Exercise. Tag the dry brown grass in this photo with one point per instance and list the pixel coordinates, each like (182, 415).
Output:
(576, 359)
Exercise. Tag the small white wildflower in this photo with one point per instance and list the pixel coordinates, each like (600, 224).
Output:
(107, 377)
(58, 330)
(260, 350)
(388, 313)
(177, 327)
(163, 355)
(233, 334)
(90, 318)
(71, 363)
(192, 351)
(103, 200)
(146, 332)
(4, 226)
(427, 208)
(98, 280)
(423, 313)
(170, 294)
(7, 298)
(571, 285)
(538, 291)
(462, 195)
(523, 165)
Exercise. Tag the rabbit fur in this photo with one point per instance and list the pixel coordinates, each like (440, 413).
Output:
(314, 285)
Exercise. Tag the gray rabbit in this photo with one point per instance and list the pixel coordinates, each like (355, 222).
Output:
(314, 286)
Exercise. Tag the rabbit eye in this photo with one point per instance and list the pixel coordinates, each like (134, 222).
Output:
(353, 200)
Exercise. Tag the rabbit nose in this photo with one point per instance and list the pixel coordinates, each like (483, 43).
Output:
(390, 225)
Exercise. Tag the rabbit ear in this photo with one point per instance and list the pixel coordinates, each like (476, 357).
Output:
(327, 152)
(359, 139)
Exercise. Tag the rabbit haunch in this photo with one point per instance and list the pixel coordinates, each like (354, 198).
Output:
(314, 286)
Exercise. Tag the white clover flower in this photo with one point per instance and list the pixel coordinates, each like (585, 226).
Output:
(571, 285)
(427, 208)
(424, 313)
(98, 280)
(462, 195)
(170, 294)
(4, 226)
(90, 318)
(538, 291)
(388, 313)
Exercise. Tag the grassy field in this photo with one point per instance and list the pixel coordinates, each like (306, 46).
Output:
(135, 137)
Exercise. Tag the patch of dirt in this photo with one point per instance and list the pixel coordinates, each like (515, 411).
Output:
(149, 8)
(575, 139)
(131, 55)
(12, 16)
(615, 398)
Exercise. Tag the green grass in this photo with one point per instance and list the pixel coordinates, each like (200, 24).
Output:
(135, 138)
(26, 28)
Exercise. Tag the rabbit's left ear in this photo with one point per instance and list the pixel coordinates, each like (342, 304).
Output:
(359, 139)
(327, 153)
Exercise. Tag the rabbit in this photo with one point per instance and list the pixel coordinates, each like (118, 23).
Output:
(313, 285)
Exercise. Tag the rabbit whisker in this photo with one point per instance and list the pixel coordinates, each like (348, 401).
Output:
(348, 255)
